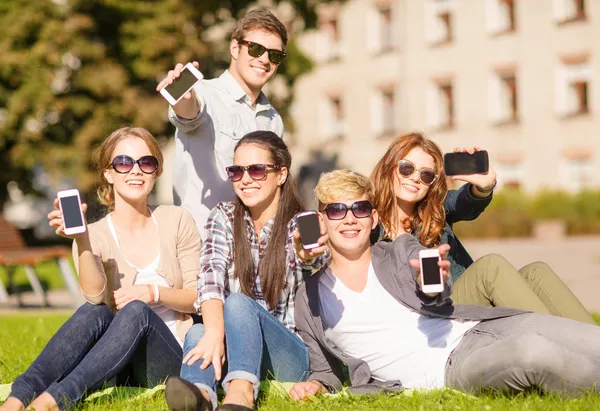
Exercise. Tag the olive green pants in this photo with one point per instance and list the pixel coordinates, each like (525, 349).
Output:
(492, 281)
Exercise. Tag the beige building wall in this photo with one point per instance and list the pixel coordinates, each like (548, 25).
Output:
(550, 140)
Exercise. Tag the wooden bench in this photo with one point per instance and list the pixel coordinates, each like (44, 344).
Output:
(14, 253)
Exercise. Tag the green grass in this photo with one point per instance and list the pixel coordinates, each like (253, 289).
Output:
(47, 272)
(23, 336)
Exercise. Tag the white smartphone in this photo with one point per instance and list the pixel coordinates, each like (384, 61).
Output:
(309, 228)
(182, 85)
(70, 206)
(432, 279)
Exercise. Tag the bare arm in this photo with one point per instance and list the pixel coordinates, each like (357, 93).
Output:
(178, 299)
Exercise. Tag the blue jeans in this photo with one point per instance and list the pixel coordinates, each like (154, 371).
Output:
(94, 346)
(258, 346)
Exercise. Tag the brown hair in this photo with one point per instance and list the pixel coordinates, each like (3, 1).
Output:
(429, 213)
(273, 265)
(261, 19)
(104, 154)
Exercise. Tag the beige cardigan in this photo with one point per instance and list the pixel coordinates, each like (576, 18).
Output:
(179, 257)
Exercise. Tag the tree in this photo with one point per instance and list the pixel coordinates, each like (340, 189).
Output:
(71, 71)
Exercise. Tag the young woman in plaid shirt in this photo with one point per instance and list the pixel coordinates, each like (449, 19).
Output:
(247, 285)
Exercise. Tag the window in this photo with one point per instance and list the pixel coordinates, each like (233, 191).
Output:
(328, 44)
(440, 104)
(439, 21)
(382, 111)
(572, 90)
(500, 16)
(509, 171)
(331, 117)
(578, 172)
(502, 98)
(566, 11)
(380, 29)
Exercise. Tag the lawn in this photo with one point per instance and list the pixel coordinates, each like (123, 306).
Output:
(23, 336)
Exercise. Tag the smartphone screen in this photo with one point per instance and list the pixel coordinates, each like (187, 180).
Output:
(308, 226)
(71, 211)
(181, 84)
(465, 163)
(431, 270)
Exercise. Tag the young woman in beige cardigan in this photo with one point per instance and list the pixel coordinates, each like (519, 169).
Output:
(137, 269)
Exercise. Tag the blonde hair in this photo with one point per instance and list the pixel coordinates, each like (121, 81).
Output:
(343, 185)
(104, 154)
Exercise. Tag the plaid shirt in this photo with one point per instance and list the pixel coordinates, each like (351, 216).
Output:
(216, 279)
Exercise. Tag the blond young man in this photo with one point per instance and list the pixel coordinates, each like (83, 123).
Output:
(367, 312)
(217, 113)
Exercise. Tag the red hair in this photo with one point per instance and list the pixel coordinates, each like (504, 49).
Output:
(429, 213)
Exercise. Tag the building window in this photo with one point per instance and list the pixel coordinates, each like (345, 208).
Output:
(380, 29)
(331, 117)
(329, 43)
(566, 11)
(510, 173)
(572, 91)
(501, 16)
(578, 172)
(439, 18)
(440, 105)
(503, 98)
(383, 107)
(386, 29)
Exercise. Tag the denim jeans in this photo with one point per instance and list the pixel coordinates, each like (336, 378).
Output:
(529, 350)
(258, 346)
(93, 346)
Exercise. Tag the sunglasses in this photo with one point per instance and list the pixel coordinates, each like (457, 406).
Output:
(426, 175)
(255, 171)
(338, 211)
(257, 50)
(124, 164)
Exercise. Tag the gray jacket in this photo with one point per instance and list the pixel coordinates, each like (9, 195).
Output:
(390, 262)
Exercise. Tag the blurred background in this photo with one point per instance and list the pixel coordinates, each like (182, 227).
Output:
(520, 78)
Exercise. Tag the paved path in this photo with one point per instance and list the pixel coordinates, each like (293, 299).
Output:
(576, 260)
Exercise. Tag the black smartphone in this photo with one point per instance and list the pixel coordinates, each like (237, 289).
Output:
(309, 228)
(464, 163)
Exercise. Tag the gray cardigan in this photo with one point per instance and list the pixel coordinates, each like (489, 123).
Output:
(390, 262)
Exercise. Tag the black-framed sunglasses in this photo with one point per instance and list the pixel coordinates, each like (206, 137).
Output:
(257, 50)
(407, 168)
(124, 164)
(255, 171)
(338, 211)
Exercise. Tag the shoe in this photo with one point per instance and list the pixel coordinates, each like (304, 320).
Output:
(234, 407)
(182, 395)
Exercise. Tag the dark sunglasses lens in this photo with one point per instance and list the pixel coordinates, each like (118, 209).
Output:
(362, 209)
(123, 164)
(427, 176)
(148, 164)
(336, 211)
(257, 171)
(406, 169)
(276, 57)
(256, 50)
(235, 173)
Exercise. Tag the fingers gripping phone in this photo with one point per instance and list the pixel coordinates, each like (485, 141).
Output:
(464, 163)
(432, 278)
(70, 206)
(310, 229)
(181, 85)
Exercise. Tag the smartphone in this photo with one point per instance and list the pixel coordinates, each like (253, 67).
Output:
(464, 163)
(309, 228)
(432, 279)
(182, 85)
(70, 205)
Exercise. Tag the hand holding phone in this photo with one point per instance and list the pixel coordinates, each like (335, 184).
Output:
(309, 242)
(179, 82)
(67, 218)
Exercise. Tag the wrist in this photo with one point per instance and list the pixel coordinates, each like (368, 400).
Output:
(486, 190)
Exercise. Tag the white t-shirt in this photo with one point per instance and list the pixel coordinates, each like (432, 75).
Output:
(396, 342)
(149, 275)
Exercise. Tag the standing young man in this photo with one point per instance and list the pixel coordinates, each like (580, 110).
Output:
(366, 311)
(218, 112)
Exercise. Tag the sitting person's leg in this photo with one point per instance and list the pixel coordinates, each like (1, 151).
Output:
(135, 327)
(554, 293)
(529, 350)
(493, 282)
(63, 352)
(258, 346)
